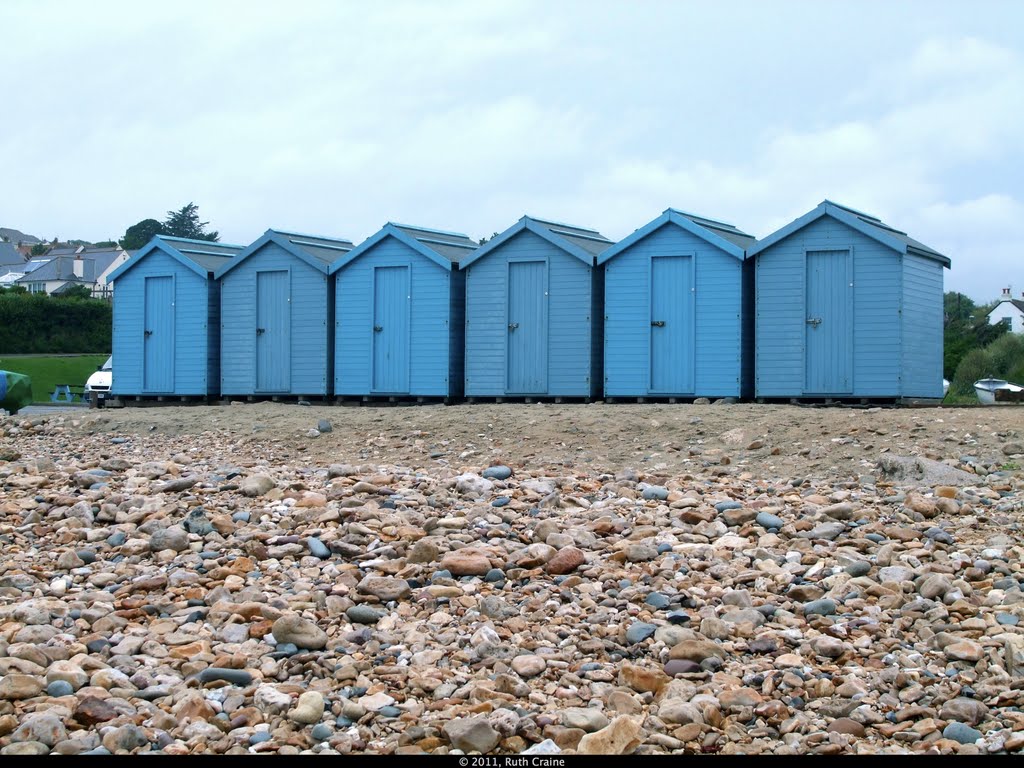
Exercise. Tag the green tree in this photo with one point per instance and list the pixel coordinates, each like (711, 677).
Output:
(105, 244)
(958, 307)
(966, 328)
(137, 235)
(186, 223)
(39, 249)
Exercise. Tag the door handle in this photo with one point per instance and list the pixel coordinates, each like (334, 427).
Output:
(815, 321)
(378, 328)
(260, 331)
(513, 326)
(658, 323)
(148, 334)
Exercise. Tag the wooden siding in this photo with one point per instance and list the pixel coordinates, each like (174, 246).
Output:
(429, 322)
(717, 357)
(308, 324)
(922, 327)
(191, 326)
(780, 335)
(569, 323)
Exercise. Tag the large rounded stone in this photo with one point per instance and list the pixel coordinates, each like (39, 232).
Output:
(44, 727)
(528, 666)
(175, 538)
(383, 588)
(466, 562)
(309, 709)
(257, 485)
(301, 632)
(14, 687)
(566, 561)
(622, 736)
(472, 734)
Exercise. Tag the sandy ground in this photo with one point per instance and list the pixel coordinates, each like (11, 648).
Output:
(768, 441)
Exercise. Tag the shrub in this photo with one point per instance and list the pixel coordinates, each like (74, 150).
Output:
(39, 324)
(975, 365)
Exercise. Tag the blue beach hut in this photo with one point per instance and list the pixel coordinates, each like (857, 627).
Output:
(847, 307)
(400, 314)
(166, 339)
(677, 317)
(277, 313)
(534, 312)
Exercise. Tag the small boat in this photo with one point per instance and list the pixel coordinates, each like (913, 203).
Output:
(986, 389)
(15, 391)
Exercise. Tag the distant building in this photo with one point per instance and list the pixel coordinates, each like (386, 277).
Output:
(10, 256)
(10, 278)
(54, 275)
(1010, 311)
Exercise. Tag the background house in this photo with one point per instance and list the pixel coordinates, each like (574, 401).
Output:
(1010, 311)
(54, 274)
(11, 261)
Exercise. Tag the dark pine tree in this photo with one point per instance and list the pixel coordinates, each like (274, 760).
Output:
(186, 223)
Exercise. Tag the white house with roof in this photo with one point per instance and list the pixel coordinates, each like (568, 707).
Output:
(1010, 311)
(91, 268)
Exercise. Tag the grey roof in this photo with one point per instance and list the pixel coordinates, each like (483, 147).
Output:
(62, 268)
(17, 236)
(726, 231)
(103, 257)
(94, 264)
(67, 250)
(35, 263)
(325, 249)
(877, 223)
(68, 286)
(10, 255)
(207, 254)
(590, 240)
(453, 246)
(1016, 302)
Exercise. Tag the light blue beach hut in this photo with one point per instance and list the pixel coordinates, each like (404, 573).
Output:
(400, 314)
(166, 338)
(534, 312)
(277, 314)
(678, 310)
(847, 307)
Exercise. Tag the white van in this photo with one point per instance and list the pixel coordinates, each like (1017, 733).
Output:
(99, 383)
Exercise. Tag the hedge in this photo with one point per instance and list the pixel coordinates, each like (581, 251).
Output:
(41, 324)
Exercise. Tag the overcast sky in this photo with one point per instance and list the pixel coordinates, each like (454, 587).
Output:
(334, 117)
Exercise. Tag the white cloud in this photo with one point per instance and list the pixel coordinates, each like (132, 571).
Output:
(913, 164)
(334, 117)
(983, 237)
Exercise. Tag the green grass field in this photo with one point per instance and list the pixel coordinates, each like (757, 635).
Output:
(47, 371)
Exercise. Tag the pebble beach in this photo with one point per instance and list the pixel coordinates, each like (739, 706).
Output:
(509, 579)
